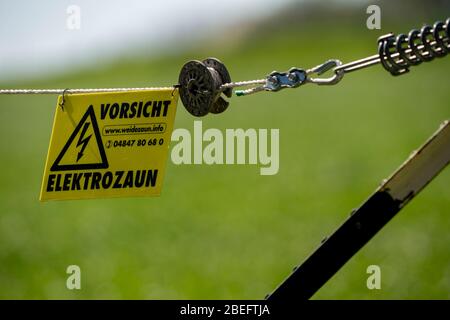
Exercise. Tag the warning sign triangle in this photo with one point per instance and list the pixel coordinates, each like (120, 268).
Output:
(84, 150)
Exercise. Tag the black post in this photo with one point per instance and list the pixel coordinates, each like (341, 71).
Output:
(367, 220)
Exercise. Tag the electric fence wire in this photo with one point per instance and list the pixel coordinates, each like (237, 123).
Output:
(395, 53)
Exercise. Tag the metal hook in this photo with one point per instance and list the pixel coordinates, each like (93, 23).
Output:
(324, 67)
(175, 87)
(63, 99)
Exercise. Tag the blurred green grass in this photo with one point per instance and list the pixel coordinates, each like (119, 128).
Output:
(225, 231)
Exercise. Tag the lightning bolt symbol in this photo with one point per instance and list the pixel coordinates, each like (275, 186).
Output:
(83, 141)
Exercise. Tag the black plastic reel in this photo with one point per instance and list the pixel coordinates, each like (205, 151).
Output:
(200, 83)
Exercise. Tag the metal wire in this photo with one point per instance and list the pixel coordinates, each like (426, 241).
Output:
(373, 60)
(96, 90)
(68, 91)
(433, 41)
(396, 61)
(242, 83)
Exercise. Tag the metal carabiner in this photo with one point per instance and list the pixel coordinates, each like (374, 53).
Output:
(321, 69)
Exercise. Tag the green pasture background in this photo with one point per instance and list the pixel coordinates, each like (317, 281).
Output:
(226, 232)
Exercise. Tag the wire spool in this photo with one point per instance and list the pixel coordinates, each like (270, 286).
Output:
(200, 86)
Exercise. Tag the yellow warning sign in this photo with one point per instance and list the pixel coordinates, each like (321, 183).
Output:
(109, 145)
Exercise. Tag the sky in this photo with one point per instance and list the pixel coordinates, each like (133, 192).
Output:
(36, 37)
